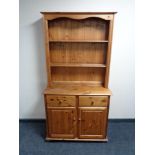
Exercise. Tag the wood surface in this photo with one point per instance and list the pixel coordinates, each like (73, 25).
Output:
(77, 139)
(77, 16)
(68, 29)
(108, 58)
(92, 122)
(76, 65)
(58, 101)
(78, 52)
(93, 101)
(45, 22)
(72, 43)
(77, 90)
(78, 74)
(78, 41)
(88, 53)
(61, 122)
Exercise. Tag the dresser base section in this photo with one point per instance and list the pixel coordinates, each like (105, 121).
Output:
(76, 139)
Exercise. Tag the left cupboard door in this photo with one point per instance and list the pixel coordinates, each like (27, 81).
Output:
(61, 122)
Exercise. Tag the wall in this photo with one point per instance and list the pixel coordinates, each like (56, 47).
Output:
(32, 55)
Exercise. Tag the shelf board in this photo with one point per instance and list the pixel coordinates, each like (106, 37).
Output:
(76, 65)
(77, 83)
(80, 41)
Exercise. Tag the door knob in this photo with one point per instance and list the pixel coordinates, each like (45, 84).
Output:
(92, 102)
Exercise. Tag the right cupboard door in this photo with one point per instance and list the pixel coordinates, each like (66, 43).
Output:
(93, 122)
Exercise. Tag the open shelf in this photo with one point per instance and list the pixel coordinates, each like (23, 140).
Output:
(80, 41)
(78, 75)
(78, 51)
(87, 30)
(76, 65)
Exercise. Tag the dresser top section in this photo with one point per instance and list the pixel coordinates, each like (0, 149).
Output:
(77, 90)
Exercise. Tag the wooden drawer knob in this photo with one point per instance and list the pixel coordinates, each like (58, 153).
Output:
(92, 103)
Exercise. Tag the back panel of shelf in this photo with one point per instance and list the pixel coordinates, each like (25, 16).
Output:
(82, 41)
(77, 75)
(85, 29)
(93, 53)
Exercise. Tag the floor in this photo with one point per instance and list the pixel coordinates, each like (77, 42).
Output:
(121, 141)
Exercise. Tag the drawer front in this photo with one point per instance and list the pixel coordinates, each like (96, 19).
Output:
(93, 101)
(60, 101)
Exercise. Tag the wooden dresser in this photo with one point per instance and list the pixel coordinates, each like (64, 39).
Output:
(78, 51)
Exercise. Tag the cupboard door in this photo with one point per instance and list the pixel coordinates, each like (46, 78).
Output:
(93, 123)
(61, 123)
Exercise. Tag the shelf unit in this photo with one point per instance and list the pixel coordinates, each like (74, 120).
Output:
(78, 51)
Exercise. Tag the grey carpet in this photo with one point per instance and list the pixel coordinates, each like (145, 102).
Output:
(121, 141)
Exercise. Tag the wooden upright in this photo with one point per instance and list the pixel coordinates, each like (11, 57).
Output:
(78, 51)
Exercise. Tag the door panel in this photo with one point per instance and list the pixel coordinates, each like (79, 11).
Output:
(92, 122)
(61, 123)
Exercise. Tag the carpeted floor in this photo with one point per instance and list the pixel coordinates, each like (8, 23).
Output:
(121, 141)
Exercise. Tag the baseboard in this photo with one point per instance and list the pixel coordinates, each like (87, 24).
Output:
(122, 120)
(110, 120)
(31, 120)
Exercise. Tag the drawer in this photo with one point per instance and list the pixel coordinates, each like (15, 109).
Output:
(60, 101)
(95, 101)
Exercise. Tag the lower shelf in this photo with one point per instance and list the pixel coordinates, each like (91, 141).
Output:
(76, 139)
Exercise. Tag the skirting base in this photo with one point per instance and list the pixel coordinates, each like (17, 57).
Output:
(76, 139)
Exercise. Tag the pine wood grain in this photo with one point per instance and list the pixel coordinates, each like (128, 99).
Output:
(61, 123)
(78, 51)
(77, 74)
(77, 90)
(68, 29)
(60, 101)
(92, 122)
(76, 65)
(94, 53)
(93, 101)
(78, 16)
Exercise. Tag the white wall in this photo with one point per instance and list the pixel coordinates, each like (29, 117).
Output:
(32, 55)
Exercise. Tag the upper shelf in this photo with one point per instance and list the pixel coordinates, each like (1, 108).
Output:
(81, 41)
